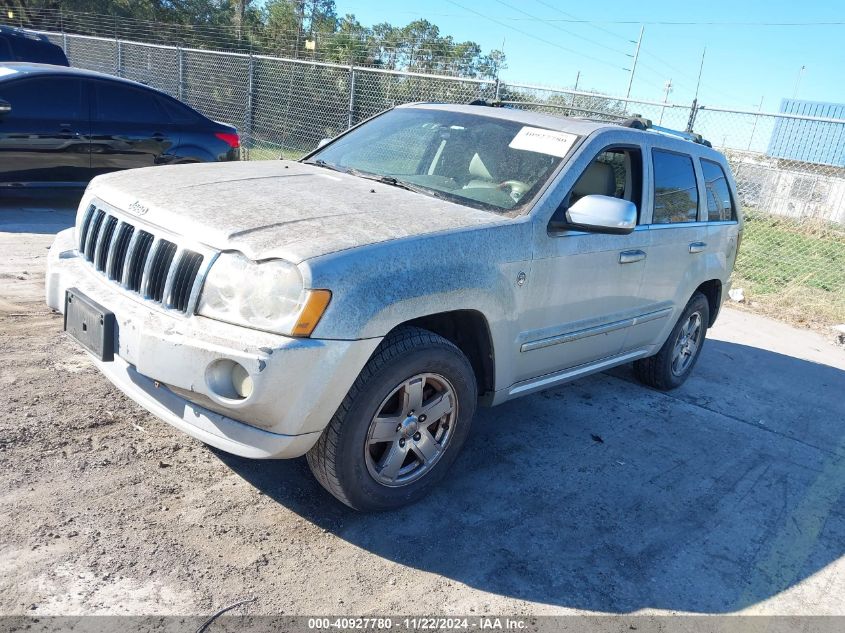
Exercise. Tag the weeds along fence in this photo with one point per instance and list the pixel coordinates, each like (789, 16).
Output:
(789, 168)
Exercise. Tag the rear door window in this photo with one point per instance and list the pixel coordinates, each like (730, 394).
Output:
(45, 98)
(675, 188)
(720, 207)
(124, 103)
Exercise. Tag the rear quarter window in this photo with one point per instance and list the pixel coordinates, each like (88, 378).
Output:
(178, 112)
(720, 205)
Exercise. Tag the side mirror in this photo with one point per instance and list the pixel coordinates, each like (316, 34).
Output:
(323, 142)
(602, 214)
(5, 107)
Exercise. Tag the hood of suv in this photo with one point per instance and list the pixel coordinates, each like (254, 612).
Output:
(269, 209)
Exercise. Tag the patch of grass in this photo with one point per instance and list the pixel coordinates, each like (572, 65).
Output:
(793, 269)
(270, 152)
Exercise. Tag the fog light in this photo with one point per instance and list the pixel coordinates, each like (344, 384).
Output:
(241, 381)
(228, 379)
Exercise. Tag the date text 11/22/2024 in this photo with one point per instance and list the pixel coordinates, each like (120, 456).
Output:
(417, 624)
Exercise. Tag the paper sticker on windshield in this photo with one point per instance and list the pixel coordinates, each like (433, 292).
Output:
(536, 139)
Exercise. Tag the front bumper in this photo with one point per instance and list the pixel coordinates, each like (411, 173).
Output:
(162, 362)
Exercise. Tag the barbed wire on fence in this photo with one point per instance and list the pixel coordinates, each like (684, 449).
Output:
(792, 261)
(359, 46)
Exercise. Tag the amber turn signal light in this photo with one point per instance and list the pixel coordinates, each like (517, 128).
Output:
(315, 305)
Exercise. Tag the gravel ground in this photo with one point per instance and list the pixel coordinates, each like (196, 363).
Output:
(602, 496)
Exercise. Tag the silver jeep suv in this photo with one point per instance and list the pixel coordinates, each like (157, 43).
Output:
(355, 306)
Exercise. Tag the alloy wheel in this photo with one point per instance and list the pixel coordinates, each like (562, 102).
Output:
(411, 430)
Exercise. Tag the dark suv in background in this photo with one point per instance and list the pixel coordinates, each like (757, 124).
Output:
(60, 127)
(20, 45)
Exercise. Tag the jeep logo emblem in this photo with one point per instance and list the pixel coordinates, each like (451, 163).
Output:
(137, 208)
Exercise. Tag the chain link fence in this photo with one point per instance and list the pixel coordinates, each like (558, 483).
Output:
(792, 260)
(789, 169)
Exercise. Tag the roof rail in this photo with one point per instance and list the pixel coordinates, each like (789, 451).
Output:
(489, 104)
(636, 121)
(641, 123)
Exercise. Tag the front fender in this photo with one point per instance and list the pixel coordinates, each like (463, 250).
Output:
(378, 287)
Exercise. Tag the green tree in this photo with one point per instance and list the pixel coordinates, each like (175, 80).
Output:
(387, 42)
(350, 43)
(320, 17)
(490, 65)
(419, 41)
(281, 27)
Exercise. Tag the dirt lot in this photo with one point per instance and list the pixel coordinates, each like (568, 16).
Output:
(726, 495)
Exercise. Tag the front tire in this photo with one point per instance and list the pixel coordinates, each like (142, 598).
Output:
(401, 425)
(672, 365)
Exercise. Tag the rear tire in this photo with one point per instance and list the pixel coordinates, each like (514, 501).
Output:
(401, 425)
(672, 365)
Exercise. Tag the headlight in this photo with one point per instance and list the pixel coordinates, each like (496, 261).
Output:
(267, 296)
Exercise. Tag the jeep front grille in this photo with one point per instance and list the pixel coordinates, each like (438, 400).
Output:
(156, 268)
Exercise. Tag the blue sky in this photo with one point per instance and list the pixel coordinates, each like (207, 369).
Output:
(742, 63)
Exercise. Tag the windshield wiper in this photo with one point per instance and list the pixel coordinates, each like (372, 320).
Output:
(321, 163)
(385, 180)
(395, 182)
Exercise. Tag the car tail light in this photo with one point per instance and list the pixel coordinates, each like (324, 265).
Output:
(232, 139)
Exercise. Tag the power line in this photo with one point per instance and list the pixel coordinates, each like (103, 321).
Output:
(688, 75)
(533, 36)
(702, 23)
(587, 39)
(560, 28)
(575, 19)
(642, 64)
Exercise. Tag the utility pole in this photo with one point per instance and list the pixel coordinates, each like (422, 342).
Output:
(241, 11)
(636, 56)
(798, 82)
(498, 63)
(666, 90)
(300, 19)
(754, 127)
(574, 90)
(693, 111)
(700, 70)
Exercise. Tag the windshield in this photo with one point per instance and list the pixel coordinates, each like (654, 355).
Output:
(478, 161)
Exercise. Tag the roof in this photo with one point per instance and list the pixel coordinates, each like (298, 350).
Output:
(16, 70)
(23, 45)
(16, 31)
(581, 127)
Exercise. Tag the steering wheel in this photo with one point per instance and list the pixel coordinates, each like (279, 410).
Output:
(517, 188)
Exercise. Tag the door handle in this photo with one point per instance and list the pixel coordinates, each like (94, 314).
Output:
(629, 257)
(697, 247)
